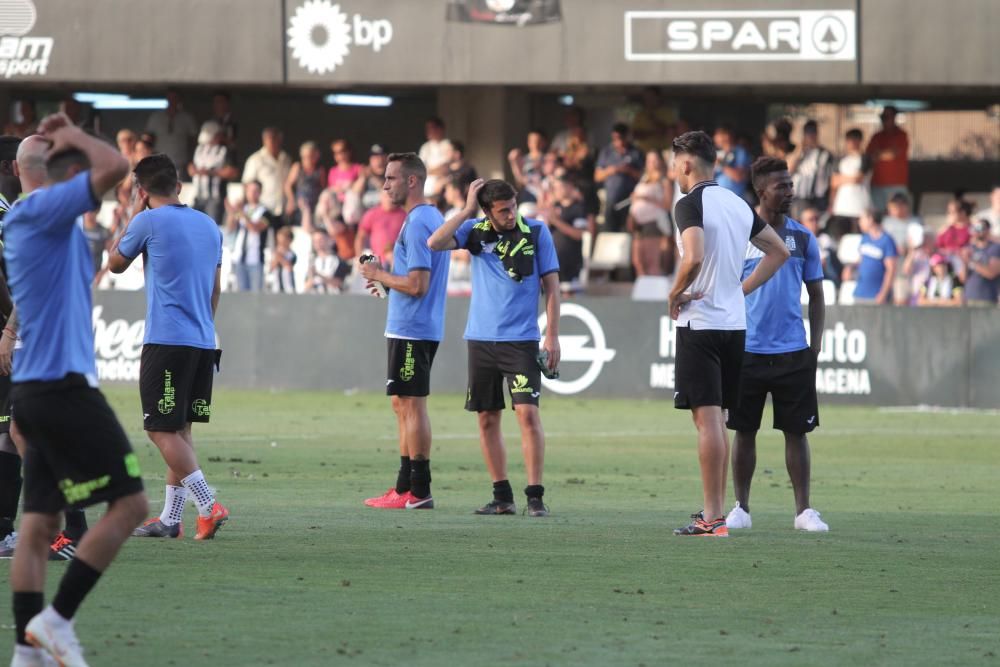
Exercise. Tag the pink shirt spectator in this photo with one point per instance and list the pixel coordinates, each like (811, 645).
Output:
(341, 179)
(953, 238)
(382, 228)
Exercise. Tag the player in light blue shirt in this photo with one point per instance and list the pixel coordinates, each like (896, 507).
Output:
(76, 453)
(778, 360)
(513, 260)
(417, 286)
(182, 252)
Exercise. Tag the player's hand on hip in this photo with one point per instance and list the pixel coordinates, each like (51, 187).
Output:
(680, 302)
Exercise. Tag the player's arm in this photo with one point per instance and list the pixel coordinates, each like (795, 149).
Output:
(6, 303)
(443, 237)
(692, 228)
(817, 314)
(118, 261)
(550, 282)
(216, 290)
(7, 341)
(775, 253)
(107, 166)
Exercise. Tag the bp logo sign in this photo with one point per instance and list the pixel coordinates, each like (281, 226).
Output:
(321, 34)
(587, 351)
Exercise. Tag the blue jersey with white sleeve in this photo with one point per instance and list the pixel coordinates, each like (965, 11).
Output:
(411, 317)
(774, 310)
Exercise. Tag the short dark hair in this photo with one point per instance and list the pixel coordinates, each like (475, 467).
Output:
(222, 93)
(57, 165)
(157, 175)
(620, 128)
(540, 132)
(253, 182)
(410, 164)
(811, 127)
(965, 206)
(495, 190)
(854, 133)
(8, 147)
(457, 145)
(762, 168)
(900, 198)
(435, 121)
(696, 143)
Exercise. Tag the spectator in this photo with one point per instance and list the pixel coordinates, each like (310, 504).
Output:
(832, 267)
(777, 140)
(942, 287)
(652, 125)
(649, 217)
(574, 126)
(330, 218)
(98, 239)
(877, 269)
(851, 194)
(75, 112)
(900, 219)
(303, 187)
(811, 166)
(460, 170)
(123, 209)
(342, 180)
(527, 167)
(577, 156)
(888, 150)
(981, 267)
(175, 130)
(223, 115)
(248, 220)
(126, 140)
(958, 232)
(145, 146)
(24, 120)
(270, 166)
(373, 177)
(567, 220)
(732, 168)
(283, 260)
(322, 270)
(992, 214)
(436, 155)
(211, 169)
(459, 271)
(619, 165)
(379, 228)
(917, 265)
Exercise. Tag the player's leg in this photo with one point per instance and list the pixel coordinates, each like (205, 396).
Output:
(10, 493)
(197, 395)
(393, 498)
(524, 381)
(713, 457)
(485, 397)
(418, 424)
(27, 579)
(744, 464)
(798, 465)
(744, 419)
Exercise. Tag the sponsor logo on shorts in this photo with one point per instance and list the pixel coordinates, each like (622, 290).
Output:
(201, 408)
(132, 465)
(811, 419)
(77, 492)
(520, 385)
(167, 404)
(4, 419)
(408, 370)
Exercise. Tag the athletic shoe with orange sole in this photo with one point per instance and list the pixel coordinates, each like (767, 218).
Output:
(208, 526)
(700, 527)
(389, 496)
(63, 548)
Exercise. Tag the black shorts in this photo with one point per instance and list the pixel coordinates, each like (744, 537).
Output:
(77, 453)
(5, 411)
(491, 363)
(790, 378)
(707, 369)
(175, 385)
(409, 370)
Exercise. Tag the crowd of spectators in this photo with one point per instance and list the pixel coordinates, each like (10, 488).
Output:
(856, 201)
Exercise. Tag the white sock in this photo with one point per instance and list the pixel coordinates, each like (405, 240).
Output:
(173, 505)
(200, 492)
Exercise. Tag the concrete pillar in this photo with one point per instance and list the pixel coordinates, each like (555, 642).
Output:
(489, 120)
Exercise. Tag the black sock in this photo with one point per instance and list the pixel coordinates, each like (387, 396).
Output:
(534, 491)
(26, 607)
(76, 524)
(10, 491)
(503, 492)
(403, 478)
(420, 477)
(75, 585)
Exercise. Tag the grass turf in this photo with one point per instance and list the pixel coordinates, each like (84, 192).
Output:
(305, 575)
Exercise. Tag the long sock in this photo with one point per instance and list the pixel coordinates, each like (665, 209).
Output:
(79, 579)
(503, 492)
(173, 505)
(26, 607)
(10, 491)
(76, 524)
(201, 493)
(534, 491)
(403, 477)
(420, 477)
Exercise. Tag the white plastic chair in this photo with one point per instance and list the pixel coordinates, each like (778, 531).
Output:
(652, 288)
(849, 249)
(846, 296)
(612, 250)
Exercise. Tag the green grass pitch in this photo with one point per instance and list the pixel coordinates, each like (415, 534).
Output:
(303, 574)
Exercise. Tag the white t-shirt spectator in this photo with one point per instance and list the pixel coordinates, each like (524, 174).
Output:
(271, 171)
(852, 199)
(435, 154)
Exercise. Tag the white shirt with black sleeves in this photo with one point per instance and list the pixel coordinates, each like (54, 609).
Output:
(728, 222)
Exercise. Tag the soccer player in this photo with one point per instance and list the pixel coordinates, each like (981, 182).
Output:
(777, 359)
(30, 173)
(182, 250)
(512, 260)
(414, 327)
(77, 454)
(707, 302)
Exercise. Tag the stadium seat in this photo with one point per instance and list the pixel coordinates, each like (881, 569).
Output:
(612, 250)
(849, 249)
(652, 288)
(846, 296)
(187, 194)
(934, 203)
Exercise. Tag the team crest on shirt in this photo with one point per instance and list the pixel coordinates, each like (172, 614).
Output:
(790, 243)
